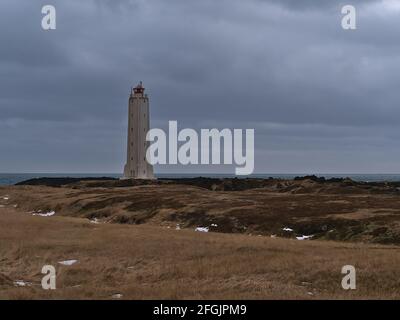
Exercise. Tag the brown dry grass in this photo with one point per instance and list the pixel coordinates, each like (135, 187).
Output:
(149, 262)
(327, 211)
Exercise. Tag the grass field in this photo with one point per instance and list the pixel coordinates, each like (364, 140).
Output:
(154, 262)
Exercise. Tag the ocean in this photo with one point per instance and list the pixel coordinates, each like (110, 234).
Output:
(13, 178)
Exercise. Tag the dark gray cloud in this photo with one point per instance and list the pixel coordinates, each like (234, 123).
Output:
(316, 5)
(320, 98)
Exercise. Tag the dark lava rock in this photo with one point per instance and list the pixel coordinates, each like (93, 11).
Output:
(57, 182)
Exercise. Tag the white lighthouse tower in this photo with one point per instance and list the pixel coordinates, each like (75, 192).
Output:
(137, 166)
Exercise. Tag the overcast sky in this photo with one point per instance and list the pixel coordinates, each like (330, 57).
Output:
(321, 99)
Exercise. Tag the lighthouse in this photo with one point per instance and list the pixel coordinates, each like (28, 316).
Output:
(137, 166)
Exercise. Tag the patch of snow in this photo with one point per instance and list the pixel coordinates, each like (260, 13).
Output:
(202, 229)
(95, 221)
(304, 237)
(47, 214)
(273, 235)
(6, 198)
(21, 283)
(68, 262)
(178, 227)
(117, 296)
(214, 225)
(287, 229)
(310, 293)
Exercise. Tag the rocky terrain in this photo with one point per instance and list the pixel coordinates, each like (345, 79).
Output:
(304, 208)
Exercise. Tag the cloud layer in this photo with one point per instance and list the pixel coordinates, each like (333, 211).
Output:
(321, 99)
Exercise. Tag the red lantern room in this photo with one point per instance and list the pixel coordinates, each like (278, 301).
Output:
(139, 88)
